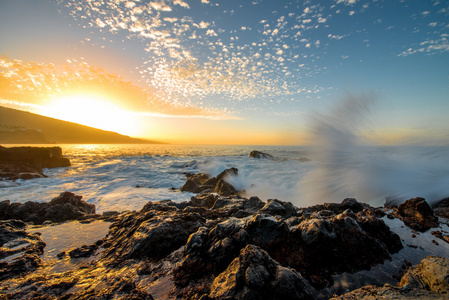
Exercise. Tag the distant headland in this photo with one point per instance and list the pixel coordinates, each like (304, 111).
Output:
(20, 127)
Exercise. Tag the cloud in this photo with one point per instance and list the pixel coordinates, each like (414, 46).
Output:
(181, 3)
(32, 85)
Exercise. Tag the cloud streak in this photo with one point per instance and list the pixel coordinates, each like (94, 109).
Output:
(31, 85)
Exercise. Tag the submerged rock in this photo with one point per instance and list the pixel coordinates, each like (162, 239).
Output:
(417, 214)
(260, 155)
(67, 206)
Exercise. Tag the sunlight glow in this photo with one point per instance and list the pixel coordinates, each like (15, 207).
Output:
(92, 110)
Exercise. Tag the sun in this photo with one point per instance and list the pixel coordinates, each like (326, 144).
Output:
(92, 110)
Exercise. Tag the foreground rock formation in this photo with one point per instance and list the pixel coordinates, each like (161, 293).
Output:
(29, 162)
(220, 248)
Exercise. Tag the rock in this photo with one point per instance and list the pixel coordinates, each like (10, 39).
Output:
(201, 183)
(237, 248)
(428, 280)
(204, 200)
(280, 208)
(24, 248)
(151, 234)
(67, 206)
(431, 274)
(255, 275)
(316, 247)
(28, 162)
(224, 189)
(260, 155)
(441, 208)
(417, 214)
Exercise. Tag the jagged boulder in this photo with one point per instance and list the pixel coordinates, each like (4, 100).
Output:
(255, 275)
(201, 183)
(151, 234)
(417, 214)
(67, 206)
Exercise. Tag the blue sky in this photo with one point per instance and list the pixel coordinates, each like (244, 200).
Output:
(263, 65)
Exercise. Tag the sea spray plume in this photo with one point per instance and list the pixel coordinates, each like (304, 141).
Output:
(348, 166)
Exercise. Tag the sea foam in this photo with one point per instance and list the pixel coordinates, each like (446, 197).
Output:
(348, 166)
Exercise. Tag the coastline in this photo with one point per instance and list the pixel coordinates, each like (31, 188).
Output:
(221, 244)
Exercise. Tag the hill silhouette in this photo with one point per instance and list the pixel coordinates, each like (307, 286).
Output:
(20, 127)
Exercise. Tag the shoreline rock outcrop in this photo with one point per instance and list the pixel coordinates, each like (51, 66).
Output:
(67, 206)
(216, 247)
(29, 162)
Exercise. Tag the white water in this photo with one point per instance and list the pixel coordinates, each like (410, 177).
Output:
(125, 177)
(340, 165)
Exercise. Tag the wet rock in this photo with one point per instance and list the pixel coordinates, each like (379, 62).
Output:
(441, 208)
(348, 203)
(209, 251)
(255, 275)
(28, 162)
(417, 214)
(260, 155)
(223, 188)
(237, 248)
(280, 208)
(318, 247)
(201, 183)
(83, 251)
(151, 234)
(428, 280)
(19, 250)
(204, 200)
(67, 206)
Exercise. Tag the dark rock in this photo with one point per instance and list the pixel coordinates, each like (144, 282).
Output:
(428, 280)
(25, 247)
(224, 189)
(349, 203)
(417, 214)
(279, 208)
(67, 206)
(260, 155)
(201, 183)
(203, 200)
(28, 162)
(83, 251)
(255, 275)
(151, 234)
(441, 208)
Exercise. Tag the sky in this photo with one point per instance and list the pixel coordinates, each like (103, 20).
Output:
(228, 71)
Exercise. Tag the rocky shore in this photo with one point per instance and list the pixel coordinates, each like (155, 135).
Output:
(217, 247)
(221, 245)
(29, 162)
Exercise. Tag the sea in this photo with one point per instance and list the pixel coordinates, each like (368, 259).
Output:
(126, 177)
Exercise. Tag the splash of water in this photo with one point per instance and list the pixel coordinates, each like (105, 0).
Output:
(347, 166)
